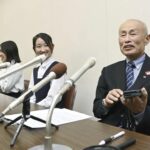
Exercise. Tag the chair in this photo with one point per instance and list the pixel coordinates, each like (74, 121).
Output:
(68, 99)
(26, 85)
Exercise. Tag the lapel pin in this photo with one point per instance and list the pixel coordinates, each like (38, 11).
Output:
(147, 73)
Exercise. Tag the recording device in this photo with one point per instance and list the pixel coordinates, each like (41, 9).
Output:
(132, 93)
(4, 65)
(57, 71)
(122, 146)
(68, 84)
(36, 60)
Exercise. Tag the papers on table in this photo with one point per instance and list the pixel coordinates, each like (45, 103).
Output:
(59, 117)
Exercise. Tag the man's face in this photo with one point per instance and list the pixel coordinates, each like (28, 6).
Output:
(132, 39)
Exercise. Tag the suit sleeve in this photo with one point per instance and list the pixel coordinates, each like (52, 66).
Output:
(101, 91)
(144, 125)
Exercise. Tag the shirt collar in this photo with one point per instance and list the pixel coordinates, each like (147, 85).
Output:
(47, 62)
(139, 61)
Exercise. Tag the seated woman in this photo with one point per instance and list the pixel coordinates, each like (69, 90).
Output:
(12, 85)
(42, 44)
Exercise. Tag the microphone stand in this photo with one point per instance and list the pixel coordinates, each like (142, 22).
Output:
(48, 138)
(24, 117)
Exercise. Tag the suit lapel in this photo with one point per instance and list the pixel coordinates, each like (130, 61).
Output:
(144, 75)
(121, 75)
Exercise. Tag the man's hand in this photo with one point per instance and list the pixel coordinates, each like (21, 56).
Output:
(112, 97)
(136, 104)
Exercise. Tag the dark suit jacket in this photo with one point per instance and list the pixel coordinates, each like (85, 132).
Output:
(112, 77)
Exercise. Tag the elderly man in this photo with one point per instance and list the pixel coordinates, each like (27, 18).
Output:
(110, 104)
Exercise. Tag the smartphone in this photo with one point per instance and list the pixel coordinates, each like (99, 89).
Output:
(132, 93)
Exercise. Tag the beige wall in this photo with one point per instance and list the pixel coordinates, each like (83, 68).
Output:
(80, 29)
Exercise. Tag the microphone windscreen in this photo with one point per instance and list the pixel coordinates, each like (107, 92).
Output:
(91, 62)
(127, 143)
(59, 69)
(41, 57)
(4, 65)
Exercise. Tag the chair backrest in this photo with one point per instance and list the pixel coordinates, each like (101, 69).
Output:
(68, 99)
(26, 85)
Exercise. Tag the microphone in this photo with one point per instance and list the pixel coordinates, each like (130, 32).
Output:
(56, 72)
(37, 59)
(126, 144)
(48, 139)
(4, 65)
(89, 64)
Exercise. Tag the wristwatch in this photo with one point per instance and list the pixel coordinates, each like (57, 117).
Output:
(103, 102)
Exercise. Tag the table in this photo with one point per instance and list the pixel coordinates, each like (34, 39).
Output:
(77, 135)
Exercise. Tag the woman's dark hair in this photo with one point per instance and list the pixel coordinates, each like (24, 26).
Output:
(10, 49)
(47, 38)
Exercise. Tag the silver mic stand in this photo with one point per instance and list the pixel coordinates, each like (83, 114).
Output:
(48, 138)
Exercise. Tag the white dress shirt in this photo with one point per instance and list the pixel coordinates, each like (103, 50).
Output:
(55, 86)
(14, 82)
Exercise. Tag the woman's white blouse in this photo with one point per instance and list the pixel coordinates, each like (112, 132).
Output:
(14, 82)
(55, 86)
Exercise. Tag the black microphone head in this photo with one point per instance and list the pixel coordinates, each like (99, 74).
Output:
(127, 143)
(59, 69)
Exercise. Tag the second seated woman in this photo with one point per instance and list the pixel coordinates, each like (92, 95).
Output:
(42, 44)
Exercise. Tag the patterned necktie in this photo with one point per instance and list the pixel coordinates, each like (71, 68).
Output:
(129, 74)
(129, 120)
